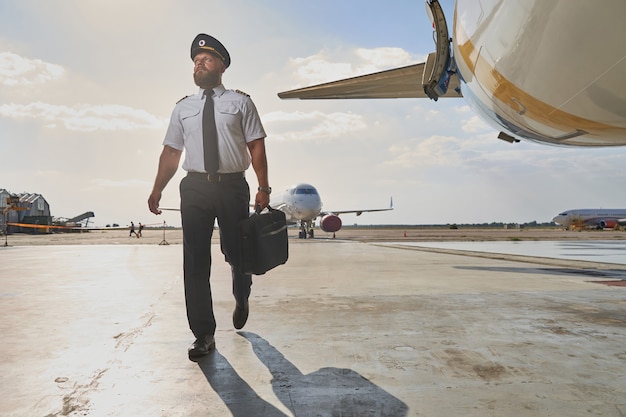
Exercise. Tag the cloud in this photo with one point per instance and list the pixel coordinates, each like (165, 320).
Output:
(475, 124)
(17, 71)
(433, 151)
(322, 67)
(308, 126)
(83, 117)
(381, 58)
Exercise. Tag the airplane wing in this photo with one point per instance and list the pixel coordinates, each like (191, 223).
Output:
(357, 212)
(43, 226)
(404, 82)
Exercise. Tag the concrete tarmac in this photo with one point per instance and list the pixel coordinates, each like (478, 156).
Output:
(343, 329)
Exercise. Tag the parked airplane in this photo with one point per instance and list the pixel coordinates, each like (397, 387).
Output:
(599, 218)
(302, 205)
(547, 71)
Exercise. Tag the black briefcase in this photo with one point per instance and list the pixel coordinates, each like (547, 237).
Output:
(263, 242)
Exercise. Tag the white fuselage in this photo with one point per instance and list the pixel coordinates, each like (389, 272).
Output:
(300, 202)
(549, 71)
(302, 205)
(591, 217)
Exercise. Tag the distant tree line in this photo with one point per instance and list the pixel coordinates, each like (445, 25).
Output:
(492, 225)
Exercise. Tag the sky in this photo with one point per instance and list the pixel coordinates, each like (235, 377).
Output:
(87, 88)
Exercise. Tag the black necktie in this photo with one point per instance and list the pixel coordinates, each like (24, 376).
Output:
(209, 135)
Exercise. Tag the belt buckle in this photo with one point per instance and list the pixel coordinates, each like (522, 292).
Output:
(214, 177)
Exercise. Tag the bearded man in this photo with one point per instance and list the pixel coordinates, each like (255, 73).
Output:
(221, 133)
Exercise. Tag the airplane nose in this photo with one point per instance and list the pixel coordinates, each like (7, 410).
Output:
(306, 213)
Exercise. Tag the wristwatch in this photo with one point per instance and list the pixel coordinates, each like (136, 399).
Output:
(267, 190)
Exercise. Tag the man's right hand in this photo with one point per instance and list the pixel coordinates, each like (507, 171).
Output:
(153, 202)
(168, 164)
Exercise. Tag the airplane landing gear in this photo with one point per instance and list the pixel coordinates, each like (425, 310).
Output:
(306, 229)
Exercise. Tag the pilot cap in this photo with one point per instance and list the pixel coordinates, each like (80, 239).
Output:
(204, 42)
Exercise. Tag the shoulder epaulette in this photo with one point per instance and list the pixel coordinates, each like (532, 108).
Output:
(181, 99)
(242, 93)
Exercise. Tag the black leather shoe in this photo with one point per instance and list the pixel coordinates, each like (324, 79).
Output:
(240, 316)
(201, 347)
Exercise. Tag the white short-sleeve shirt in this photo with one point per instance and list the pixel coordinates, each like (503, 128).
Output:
(237, 122)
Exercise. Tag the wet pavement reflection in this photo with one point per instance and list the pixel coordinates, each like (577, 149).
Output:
(605, 251)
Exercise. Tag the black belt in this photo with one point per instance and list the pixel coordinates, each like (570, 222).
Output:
(216, 177)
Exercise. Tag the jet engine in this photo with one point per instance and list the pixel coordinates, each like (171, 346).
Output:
(607, 224)
(330, 223)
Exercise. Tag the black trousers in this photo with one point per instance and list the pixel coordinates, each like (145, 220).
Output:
(201, 202)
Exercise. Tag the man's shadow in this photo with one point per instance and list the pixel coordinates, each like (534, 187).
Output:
(237, 394)
(328, 392)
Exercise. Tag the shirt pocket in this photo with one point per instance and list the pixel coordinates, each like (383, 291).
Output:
(227, 113)
(191, 120)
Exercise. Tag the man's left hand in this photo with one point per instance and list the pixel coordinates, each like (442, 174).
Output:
(262, 199)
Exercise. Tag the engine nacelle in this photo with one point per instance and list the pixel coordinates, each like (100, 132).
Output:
(330, 223)
(607, 224)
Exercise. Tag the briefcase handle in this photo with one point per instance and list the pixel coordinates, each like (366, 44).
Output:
(258, 210)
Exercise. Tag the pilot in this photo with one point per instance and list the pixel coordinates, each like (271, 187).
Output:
(221, 133)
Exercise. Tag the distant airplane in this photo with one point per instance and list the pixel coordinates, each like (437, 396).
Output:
(598, 218)
(302, 205)
(547, 71)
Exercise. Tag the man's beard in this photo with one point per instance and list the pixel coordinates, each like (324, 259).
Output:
(206, 79)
